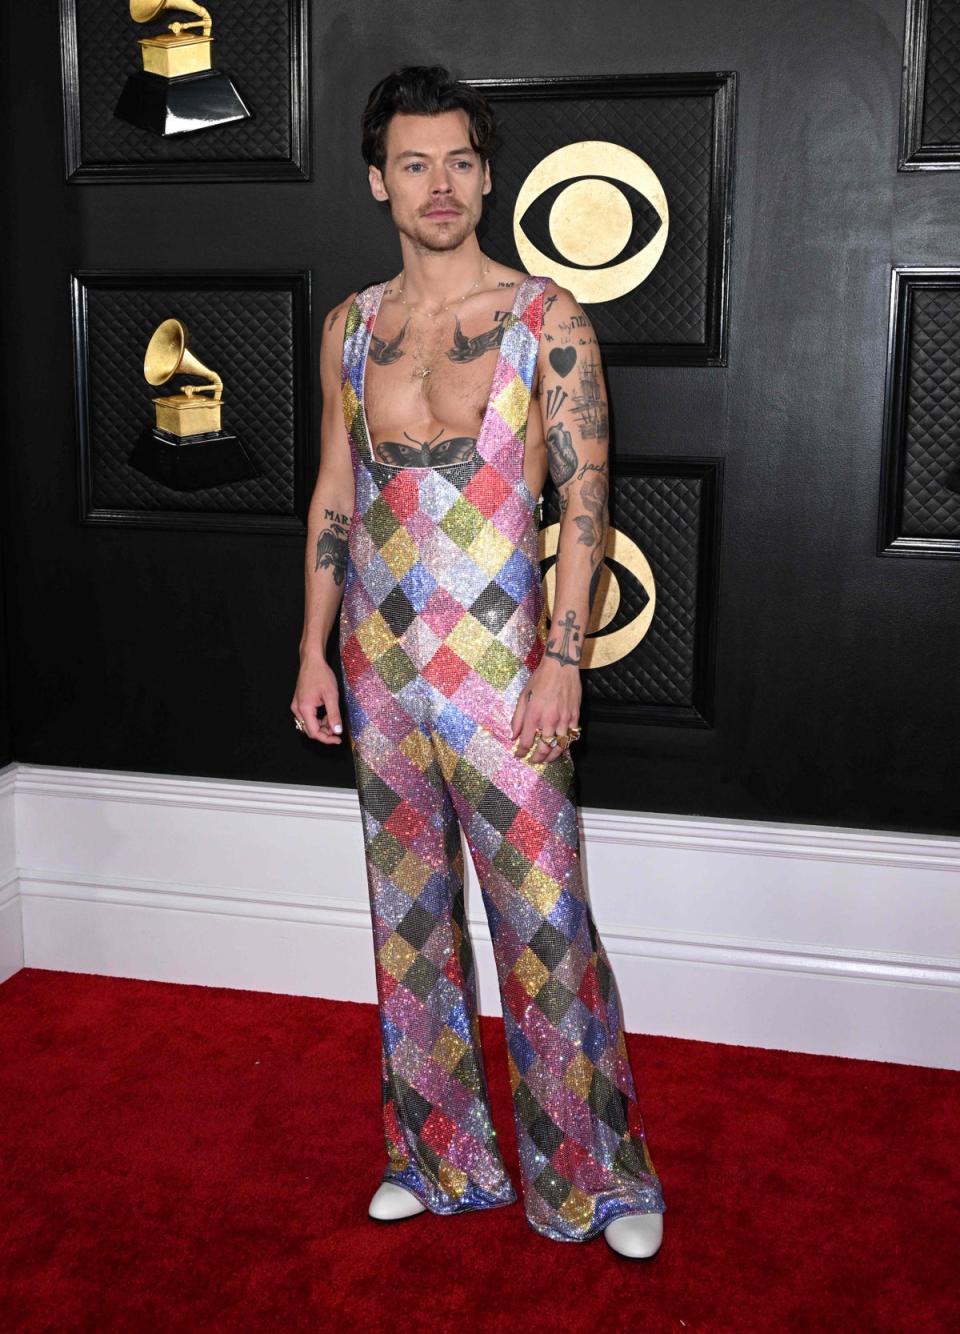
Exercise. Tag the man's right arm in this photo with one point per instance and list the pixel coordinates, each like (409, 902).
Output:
(325, 562)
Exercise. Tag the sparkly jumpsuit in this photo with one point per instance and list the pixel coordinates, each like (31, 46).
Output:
(443, 621)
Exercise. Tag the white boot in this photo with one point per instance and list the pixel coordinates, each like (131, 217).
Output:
(638, 1236)
(393, 1201)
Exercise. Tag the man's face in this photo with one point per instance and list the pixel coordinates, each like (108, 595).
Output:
(433, 179)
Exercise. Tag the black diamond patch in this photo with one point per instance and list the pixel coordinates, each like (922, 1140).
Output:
(420, 977)
(397, 610)
(378, 798)
(415, 1107)
(552, 1186)
(554, 999)
(527, 1107)
(546, 1134)
(417, 926)
(497, 808)
(493, 608)
(549, 945)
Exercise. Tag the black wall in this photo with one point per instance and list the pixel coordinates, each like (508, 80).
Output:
(836, 672)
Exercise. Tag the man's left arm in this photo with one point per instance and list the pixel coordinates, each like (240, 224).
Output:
(572, 397)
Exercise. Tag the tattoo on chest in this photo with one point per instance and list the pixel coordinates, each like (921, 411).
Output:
(385, 351)
(468, 349)
(435, 453)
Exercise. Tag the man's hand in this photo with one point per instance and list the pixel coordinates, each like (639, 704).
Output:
(550, 701)
(317, 689)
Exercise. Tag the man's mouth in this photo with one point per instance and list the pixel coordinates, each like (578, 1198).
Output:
(443, 213)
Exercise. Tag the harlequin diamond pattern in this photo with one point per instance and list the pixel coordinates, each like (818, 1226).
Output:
(442, 624)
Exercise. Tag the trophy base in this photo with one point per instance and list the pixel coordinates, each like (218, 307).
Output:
(192, 462)
(182, 105)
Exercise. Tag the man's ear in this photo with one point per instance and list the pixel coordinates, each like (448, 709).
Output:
(487, 181)
(377, 187)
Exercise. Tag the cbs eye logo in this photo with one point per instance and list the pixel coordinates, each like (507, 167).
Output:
(606, 641)
(591, 220)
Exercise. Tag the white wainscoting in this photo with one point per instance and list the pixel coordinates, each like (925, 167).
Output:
(798, 937)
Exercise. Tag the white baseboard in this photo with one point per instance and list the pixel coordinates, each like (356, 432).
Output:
(796, 937)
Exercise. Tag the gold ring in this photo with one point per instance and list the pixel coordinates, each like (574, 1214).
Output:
(574, 733)
(550, 740)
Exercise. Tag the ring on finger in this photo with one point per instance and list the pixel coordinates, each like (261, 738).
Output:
(298, 724)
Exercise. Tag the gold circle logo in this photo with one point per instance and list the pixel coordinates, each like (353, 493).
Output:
(591, 221)
(599, 650)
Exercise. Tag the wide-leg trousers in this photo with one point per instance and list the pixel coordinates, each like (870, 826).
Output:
(583, 1154)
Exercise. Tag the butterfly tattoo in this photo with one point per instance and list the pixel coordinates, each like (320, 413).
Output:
(435, 453)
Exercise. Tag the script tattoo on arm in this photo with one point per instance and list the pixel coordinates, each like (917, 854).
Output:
(385, 351)
(332, 545)
(468, 349)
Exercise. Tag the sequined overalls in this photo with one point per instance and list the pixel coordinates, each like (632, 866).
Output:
(442, 623)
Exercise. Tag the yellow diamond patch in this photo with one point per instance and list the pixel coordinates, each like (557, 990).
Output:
(531, 972)
(400, 552)
(513, 404)
(397, 955)
(541, 889)
(490, 549)
(375, 636)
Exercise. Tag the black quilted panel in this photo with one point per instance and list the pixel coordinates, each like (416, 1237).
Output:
(662, 514)
(247, 337)
(674, 135)
(932, 418)
(941, 96)
(251, 43)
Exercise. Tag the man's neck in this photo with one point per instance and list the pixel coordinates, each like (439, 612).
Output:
(436, 276)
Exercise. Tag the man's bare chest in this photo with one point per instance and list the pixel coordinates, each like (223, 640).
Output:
(432, 370)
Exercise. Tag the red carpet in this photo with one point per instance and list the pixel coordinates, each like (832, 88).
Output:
(193, 1158)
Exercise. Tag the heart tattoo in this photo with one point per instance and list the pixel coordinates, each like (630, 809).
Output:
(562, 359)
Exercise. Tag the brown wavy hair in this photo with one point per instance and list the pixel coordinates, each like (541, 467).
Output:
(423, 90)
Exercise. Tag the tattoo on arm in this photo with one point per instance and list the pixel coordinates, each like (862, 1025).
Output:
(561, 455)
(332, 545)
(556, 398)
(566, 645)
(588, 406)
(594, 492)
(385, 351)
(563, 359)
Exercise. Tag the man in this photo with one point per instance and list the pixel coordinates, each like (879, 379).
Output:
(449, 392)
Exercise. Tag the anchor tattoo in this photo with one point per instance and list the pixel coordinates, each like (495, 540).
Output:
(570, 631)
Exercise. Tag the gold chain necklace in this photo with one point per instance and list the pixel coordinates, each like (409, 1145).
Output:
(421, 373)
(432, 315)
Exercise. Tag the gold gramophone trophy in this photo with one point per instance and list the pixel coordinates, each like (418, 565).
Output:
(186, 449)
(177, 90)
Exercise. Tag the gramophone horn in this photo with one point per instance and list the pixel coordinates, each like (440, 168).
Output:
(167, 355)
(142, 11)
